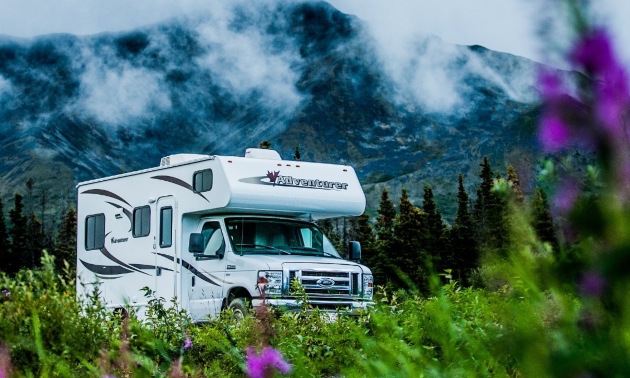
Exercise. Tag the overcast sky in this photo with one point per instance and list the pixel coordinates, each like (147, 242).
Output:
(504, 25)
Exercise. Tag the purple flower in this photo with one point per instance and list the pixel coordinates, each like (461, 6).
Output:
(595, 54)
(554, 134)
(6, 293)
(592, 284)
(5, 362)
(565, 197)
(188, 343)
(263, 365)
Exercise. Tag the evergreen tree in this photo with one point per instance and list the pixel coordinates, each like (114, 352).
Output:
(66, 243)
(19, 257)
(489, 213)
(296, 155)
(542, 220)
(464, 253)
(265, 144)
(385, 238)
(409, 259)
(365, 236)
(435, 245)
(484, 201)
(35, 241)
(4, 238)
(515, 184)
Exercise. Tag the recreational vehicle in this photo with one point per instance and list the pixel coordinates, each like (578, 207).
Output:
(220, 231)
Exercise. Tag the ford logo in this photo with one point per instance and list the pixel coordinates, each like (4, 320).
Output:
(325, 282)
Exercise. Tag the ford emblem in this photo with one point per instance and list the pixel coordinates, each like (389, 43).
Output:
(325, 282)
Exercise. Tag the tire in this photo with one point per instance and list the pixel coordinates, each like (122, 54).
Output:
(239, 308)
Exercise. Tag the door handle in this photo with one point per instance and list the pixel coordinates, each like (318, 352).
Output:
(158, 271)
(193, 281)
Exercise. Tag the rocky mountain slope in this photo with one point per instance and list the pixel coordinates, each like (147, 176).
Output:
(76, 108)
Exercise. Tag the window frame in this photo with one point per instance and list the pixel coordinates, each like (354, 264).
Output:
(194, 180)
(140, 209)
(161, 236)
(95, 246)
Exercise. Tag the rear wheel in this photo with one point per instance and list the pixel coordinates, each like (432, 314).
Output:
(239, 308)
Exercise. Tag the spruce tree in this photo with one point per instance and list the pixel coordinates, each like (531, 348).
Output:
(35, 241)
(515, 184)
(19, 257)
(464, 254)
(297, 156)
(542, 220)
(409, 259)
(365, 236)
(4, 239)
(435, 245)
(66, 243)
(483, 202)
(385, 238)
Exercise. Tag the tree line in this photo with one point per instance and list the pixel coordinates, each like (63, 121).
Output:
(24, 237)
(404, 246)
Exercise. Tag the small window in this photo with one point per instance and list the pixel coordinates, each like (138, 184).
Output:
(166, 227)
(141, 221)
(213, 239)
(202, 181)
(94, 232)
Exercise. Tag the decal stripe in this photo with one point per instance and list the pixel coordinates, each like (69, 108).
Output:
(144, 266)
(106, 270)
(125, 211)
(176, 181)
(106, 253)
(106, 193)
(192, 269)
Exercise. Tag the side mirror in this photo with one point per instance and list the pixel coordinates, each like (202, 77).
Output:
(354, 251)
(196, 243)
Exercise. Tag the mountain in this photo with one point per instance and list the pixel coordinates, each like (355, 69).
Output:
(404, 113)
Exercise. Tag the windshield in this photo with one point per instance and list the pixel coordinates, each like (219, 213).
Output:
(276, 236)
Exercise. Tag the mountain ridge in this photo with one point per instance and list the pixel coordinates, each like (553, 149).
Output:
(295, 74)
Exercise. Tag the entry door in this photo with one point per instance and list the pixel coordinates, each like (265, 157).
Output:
(166, 264)
(207, 279)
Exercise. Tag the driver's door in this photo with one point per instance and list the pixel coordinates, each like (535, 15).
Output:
(207, 273)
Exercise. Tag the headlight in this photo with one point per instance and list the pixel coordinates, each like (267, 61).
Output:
(368, 286)
(270, 282)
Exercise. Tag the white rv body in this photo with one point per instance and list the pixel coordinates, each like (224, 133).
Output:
(134, 231)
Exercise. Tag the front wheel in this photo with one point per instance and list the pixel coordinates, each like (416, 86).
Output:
(239, 308)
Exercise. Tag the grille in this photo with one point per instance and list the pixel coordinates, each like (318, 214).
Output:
(345, 283)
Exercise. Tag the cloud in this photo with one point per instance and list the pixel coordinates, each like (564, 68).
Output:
(244, 59)
(117, 95)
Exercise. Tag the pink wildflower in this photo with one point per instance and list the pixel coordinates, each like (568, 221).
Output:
(263, 365)
(554, 134)
(5, 362)
(565, 197)
(188, 343)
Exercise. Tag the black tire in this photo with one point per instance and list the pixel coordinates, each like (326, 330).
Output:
(239, 308)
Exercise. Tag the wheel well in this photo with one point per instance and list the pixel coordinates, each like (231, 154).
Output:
(236, 292)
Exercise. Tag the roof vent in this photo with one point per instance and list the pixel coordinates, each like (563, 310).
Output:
(180, 158)
(261, 153)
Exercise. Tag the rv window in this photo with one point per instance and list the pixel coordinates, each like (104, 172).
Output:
(166, 227)
(202, 181)
(213, 239)
(94, 232)
(141, 221)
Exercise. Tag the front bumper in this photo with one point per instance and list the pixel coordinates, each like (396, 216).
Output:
(351, 307)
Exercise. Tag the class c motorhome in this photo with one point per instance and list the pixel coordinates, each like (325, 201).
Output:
(220, 231)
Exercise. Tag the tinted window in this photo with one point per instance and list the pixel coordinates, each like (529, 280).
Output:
(141, 221)
(213, 239)
(202, 181)
(166, 227)
(94, 232)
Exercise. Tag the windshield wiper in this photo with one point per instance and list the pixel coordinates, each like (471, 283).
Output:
(280, 251)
